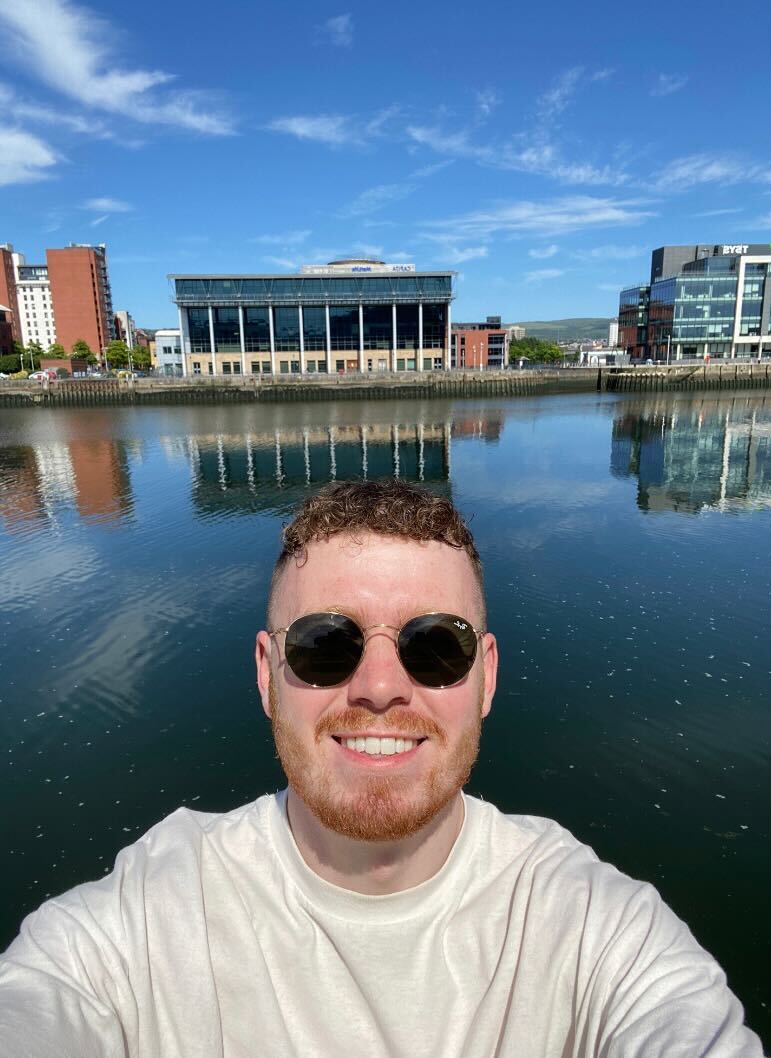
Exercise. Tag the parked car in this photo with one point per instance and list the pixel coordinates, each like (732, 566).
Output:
(3, 375)
(38, 376)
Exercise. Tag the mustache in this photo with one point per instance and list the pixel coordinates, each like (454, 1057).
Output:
(404, 721)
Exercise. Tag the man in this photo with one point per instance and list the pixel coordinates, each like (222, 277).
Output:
(371, 909)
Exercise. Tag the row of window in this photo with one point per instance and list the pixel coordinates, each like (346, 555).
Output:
(294, 367)
(344, 327)
(300, 288)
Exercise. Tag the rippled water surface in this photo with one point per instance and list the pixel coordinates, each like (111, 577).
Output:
(627, 547)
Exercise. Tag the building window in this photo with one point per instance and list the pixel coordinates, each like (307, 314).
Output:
(339, 366)
(209, 365)
(226, 368)
(284, 367)
(236, 367)
(196, 367)
(255, 367)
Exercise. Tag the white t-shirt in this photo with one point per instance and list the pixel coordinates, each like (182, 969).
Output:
(212, 938)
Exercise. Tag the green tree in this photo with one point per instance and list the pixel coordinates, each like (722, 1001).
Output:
(9, 365)
(534, 349)
(81, 349)
(56, 351)
(32, 356)
(117, 353)
(141, 358)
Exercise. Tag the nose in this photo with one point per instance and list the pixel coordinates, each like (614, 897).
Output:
(380, 681)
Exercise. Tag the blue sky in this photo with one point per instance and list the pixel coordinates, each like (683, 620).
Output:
(540, 150)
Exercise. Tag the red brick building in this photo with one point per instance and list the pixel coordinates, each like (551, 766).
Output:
(479, 344)
(8, 289)
(6, 331)
(82, 300)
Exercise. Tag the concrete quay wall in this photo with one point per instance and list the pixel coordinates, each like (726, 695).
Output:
(424, 385)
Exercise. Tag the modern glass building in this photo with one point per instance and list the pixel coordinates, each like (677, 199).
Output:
(716, 304)
(351, 315)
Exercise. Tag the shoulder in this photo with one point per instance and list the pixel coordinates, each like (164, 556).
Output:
(541, 856)
(165, 871)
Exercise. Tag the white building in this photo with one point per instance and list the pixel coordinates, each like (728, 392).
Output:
(36, 311)
(613, 334)
(168, 352)
(125, 327)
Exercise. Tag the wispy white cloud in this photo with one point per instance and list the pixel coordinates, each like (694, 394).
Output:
(338, 30)
(719, 212)
(376, 126)
(22, 110)
(555, 99)
(332, 129)
(667, 83)
(426, 171)
(695, 169)
(602, 74)
(542, 274)
(573, 213)
(69, 48)
(284, 238)
(487, 100)
(612, 252)
(539, 157)
(107, 205)
(24, 158)
(99, 220)
(289, 263)
(375, 198)
(762, 222)
(457, 255)
(543, 252)
(369, 249)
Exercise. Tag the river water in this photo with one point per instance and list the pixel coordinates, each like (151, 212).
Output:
(627, 547)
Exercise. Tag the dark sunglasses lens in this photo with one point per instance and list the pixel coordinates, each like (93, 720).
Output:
(323, 649)
(437, 650)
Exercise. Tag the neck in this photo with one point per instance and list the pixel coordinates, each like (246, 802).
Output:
(375, 868)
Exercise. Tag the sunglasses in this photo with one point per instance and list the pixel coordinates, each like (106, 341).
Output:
(325, 649)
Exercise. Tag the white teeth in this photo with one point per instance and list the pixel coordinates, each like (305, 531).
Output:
(380, 746)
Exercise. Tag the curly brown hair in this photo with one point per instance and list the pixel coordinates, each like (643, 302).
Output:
(388, 508)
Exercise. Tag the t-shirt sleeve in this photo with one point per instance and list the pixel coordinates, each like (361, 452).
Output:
(653, 991)
(60, 983)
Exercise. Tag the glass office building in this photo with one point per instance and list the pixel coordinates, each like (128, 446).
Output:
(352, 315)
(716, 304)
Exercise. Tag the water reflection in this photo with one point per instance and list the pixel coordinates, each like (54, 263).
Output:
(690, 458)
(262, 471)
(91, 476)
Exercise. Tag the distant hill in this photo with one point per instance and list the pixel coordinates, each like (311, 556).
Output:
(580, 329)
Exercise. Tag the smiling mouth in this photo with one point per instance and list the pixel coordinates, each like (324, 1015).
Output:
(386, 746)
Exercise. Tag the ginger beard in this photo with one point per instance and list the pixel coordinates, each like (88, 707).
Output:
(381, 807)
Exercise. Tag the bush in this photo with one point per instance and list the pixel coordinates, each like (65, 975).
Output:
(9, 364)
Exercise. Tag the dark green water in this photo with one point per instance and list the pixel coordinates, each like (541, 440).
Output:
(627, 546)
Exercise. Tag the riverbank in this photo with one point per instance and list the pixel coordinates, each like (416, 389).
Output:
(423, 385)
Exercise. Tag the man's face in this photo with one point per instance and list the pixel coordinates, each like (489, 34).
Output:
(376, 580)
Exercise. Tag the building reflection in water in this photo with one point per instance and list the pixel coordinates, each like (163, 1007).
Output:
(691, 457)
(272, 471)
(38, 481)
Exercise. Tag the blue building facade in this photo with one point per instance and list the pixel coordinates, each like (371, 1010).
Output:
(716, 304)
(351, 315)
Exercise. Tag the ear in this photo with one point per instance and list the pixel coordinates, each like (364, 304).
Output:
(262, 650)
(490, 666)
